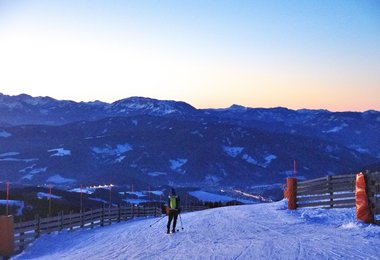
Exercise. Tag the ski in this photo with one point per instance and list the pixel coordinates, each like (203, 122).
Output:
(173, 232)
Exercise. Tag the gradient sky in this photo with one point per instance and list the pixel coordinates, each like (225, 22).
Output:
(296, 54)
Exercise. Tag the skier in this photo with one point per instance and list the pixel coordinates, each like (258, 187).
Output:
(173, 210)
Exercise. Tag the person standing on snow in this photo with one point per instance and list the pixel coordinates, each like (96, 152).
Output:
(173, 210)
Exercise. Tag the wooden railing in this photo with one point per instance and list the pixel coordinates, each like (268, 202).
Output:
(331, 191)
(339, 192)
(373, 191)
(27, 232)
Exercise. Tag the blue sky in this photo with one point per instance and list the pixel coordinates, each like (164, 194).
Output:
(297, 54)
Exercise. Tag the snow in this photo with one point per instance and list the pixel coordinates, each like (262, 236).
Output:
(177, 163)
(156, 174)
(14, 203)
(119, 159)
(197, 133)
(259, 231)
(27, 177)
(38, 170)
(211, 197)
(9, 154)
(9, 159)
(157, 192)
(83, 190)
(269, 158)
(142, 193)
(59, 179)
(91, 189)
(212, 179)
(60, 152)
(108, 150)
(335, 129)
(359, 149)
(232, 151)
(135, 201)
(136, 193)
(43, 195)
(249, 159)
(4, 134)
(98, 200)
(32, 171)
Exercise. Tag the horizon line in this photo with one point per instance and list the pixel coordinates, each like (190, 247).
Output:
(198, 108)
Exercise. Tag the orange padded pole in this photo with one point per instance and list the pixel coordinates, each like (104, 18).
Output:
(363, 212)
(291, 193)
(6, 236)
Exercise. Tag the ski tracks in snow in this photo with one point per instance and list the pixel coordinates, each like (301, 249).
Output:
(263, 231)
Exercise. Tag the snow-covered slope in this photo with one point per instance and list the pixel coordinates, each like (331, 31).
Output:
(261, 231)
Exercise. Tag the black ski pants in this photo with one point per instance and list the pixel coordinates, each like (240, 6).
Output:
(173, 214)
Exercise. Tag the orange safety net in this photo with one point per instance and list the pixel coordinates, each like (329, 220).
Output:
(363, 212)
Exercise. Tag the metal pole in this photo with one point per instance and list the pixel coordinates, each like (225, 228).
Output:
(7, 198)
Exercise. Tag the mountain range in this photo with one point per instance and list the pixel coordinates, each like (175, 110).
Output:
(144, 141)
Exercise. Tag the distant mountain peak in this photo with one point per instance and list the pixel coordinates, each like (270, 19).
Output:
(151, 106)
(237, 107)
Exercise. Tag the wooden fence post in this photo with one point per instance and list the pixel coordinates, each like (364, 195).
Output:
(22, 241)
(102, 217)
(109, 216)
(70, 216)
(61, 225)
(92, 220)
(330, 189)
(81, 218)
(38, 226)
(119, 213)
(292, 192)
(371, 192)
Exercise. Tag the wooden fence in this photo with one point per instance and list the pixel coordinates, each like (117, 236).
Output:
(339, 192)
(27, 232)
(373, 192)
(331, 192)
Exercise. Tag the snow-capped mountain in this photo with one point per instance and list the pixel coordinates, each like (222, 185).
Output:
(147, 141)
(355, 130)
(24, 109)
(140, 105)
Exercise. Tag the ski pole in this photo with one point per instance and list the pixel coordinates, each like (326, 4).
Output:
(157, 220)
(180, 218)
